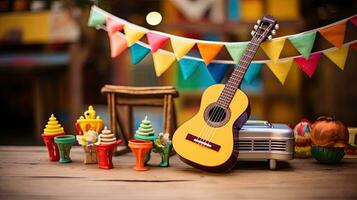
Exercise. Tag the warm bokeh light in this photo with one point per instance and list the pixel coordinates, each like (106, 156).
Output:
(153, 18)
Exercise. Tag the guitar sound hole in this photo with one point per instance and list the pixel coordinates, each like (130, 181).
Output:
(216, 114)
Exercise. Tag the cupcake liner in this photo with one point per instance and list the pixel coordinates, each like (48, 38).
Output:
(327, 155)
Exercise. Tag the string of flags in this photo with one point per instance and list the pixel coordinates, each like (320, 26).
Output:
(123, 34)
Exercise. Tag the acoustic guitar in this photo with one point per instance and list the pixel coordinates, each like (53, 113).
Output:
(209, 140)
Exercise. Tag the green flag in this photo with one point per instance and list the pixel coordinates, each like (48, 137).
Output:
(95, 18)
(303, 43)
(236, 50)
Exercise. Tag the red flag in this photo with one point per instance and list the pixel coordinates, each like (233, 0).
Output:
(309, 66)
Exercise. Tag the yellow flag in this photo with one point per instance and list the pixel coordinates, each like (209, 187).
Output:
(133, 33)
(280, 69)
(162, 61)
(273, 48)
(338, 56)
(181, 47)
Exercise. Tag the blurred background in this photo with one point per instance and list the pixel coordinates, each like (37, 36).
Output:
(51, 62)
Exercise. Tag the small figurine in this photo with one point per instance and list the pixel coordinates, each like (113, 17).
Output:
(329, 138)
(302, 139)
(89, 121)
(65, 143)
(161, 143)
(87, 141)
(52, 129)
(105, 147)
(140, 148)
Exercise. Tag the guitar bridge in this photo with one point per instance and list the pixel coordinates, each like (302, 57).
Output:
(203, 142)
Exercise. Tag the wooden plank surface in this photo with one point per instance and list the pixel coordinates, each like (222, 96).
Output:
(26, 173)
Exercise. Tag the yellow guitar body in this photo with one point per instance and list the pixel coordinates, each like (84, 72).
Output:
(199, 155)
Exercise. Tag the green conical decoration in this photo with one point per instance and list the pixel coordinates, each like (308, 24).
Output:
(145, 128)
(96, 18)
(303, 43)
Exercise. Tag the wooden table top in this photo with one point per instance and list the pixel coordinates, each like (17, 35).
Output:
(26, 173)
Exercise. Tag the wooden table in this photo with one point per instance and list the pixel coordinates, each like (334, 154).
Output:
(25, 173)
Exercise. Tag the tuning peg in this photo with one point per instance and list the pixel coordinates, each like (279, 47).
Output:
(270, 37)
(273, 32)
(276, 26)
(258, 21)
(252, 33)
(255, 27)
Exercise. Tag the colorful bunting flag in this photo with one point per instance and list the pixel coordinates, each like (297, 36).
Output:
(209, 51)
(280, 69)
(181, 47)
(309, 66)
(338, 56)
(133, 33)
(354, 21)
(113, 26)
(252, 72)
(117, 44)
(273, 48)
(96, 18)
(162, 61)
(236, 50)
(354, 46)
(303, 43)
(156, 41)
(335, 34)
(217, 71)
(188, 67)
(138, 52)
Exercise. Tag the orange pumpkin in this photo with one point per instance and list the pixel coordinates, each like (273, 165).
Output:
(329, 132)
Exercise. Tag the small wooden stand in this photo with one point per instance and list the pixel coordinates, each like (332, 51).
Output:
(126, 97)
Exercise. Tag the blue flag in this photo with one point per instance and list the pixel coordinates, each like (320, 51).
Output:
(253, 72)
(138, 52)
(217, 71)
(188, 67)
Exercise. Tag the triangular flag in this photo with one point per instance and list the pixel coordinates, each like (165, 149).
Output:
(309, 65)
(156, 41)
(95, 18)
(354, 21)
(162, 61)
(117, 44)
(280, 69)
(208, 51)
(338, 56)
(133, 33)
(303, 43)
(113, 26)
(138, 52)
(236, 50)
(335, 34)
(273, 48)
(188, 67)
(217, 71)
(181, 47)
(252, 72)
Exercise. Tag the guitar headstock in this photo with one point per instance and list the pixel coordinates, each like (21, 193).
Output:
(265, 29)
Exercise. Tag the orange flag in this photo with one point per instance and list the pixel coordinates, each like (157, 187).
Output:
(209, 51)
(335, 34)
(117, 44)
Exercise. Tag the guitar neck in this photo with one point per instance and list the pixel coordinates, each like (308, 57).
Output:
(237, 75)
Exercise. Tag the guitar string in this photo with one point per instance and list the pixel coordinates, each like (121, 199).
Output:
(204, 133)
(252, 54)
(219, 114)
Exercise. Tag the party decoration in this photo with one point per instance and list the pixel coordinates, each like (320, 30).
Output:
(117, 44)
(273, 48)
(138, 52)
(156, 41)
(105, 148)
(52, 129)
(335, 34)
(217, 71)
(193, 10)
(209, 51)
(309, 66)
(162, 61)
(188, 67)
(141, 149)
(181, 47)
(64, 143)
(133, 33)
(87, 141)
(302, 139)
(113, 26)
(354, 46)
(96, 18)
(338, 56)
(253, 72)
(236, 50)
(354, 21)
(303, 43)
(280, 69)
(89, 121)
